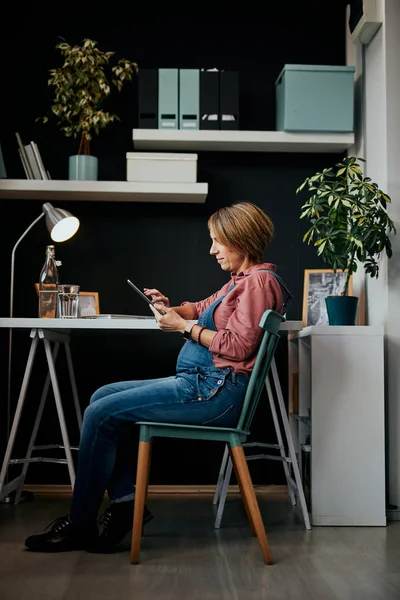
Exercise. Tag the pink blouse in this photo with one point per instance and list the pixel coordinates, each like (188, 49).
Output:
(237, 317)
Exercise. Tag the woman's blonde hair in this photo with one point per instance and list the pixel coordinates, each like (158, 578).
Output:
(243, 227)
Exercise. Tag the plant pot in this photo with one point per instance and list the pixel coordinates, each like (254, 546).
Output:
(342, 310)
(83, 167)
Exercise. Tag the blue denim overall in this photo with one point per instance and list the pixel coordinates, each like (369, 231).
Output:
(199, 393)
(210, 381)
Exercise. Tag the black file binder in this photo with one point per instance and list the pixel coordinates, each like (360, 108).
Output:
(229, 99)
(209, 100)
(148, 98)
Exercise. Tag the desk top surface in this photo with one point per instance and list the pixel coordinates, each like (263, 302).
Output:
(58, 324)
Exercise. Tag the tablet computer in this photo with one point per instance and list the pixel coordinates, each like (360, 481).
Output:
(133, 286)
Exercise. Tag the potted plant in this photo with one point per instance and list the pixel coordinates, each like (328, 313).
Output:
(81, 86)
(349, 226)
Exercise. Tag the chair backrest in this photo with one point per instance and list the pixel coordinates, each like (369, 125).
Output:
(270, 322)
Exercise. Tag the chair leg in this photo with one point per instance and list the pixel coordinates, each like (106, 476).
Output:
(140, 496)
(223, 492)
(221, 475)
(148, 472)
(239, 460)
(246, 506)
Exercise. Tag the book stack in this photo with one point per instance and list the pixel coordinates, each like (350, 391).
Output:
(31, 160)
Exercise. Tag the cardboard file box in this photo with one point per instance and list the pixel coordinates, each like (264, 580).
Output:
(315, 98)
(148, 98)
(189, 86)
(209, 100)
(168, 98)
(161, 167)
(229, 99)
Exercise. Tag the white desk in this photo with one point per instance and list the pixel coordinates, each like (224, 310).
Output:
(58, 331)
(72, 324)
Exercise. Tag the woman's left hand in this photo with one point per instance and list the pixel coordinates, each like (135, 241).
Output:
(171, 321)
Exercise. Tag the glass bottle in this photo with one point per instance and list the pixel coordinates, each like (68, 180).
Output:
(48, 282)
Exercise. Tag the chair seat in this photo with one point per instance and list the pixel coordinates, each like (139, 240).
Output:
(149, 429)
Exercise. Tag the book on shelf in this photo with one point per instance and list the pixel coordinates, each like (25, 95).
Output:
(24, 158)
(3, 174)
(39, 161)
(31, 160)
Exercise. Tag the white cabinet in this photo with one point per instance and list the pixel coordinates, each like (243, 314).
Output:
(336, 406)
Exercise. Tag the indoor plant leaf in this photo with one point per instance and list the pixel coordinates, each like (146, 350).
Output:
(349, 213)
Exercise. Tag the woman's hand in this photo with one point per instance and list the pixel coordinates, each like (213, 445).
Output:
(171, 321)
(156, 296)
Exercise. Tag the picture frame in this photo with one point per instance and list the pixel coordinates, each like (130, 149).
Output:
(88, 303)
(318, 284)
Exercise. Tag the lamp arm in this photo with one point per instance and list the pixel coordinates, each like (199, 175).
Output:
(13, 260)
(8, 418)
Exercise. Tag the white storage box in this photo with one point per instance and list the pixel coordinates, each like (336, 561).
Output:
(161, 167)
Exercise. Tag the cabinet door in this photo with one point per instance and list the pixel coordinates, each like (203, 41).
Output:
(347, 430)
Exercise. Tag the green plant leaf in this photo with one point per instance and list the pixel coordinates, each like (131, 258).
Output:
(81, 86)
(348, 218)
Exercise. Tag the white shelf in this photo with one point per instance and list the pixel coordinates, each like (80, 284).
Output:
(240, 141)
(108, 191)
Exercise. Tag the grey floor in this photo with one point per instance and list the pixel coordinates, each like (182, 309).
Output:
(183, 557)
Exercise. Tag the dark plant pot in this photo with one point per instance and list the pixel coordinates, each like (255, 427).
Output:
(83, 167)
(342, 310)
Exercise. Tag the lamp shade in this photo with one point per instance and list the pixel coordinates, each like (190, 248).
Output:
(60, 223)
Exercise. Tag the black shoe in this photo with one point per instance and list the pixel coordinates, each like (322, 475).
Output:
(116, 531)
(62, 536)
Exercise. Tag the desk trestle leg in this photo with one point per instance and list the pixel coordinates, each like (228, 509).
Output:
(51, 355)
(73, 385)
(15, 483)
(39, 414)
(60, 411)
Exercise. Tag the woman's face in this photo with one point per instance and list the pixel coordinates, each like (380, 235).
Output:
(228, 259)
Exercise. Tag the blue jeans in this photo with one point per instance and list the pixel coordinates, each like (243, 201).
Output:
(106, 454)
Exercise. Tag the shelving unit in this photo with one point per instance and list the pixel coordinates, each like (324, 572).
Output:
(240, 141)
(107, 191)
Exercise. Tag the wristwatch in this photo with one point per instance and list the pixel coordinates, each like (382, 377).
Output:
(188, 329)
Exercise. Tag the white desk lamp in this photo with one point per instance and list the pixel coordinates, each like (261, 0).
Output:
(61, 226)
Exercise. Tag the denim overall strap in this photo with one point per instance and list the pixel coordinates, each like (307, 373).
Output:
(289, 296)
(193, 354)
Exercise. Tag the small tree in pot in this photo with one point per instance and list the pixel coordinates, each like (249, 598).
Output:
(349, 221)
(81, 86)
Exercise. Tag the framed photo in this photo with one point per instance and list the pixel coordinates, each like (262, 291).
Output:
(318, 284)
(88, 303)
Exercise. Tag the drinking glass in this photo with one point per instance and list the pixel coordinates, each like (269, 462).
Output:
(68, 301)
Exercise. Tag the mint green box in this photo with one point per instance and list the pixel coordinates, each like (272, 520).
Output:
(315, 98)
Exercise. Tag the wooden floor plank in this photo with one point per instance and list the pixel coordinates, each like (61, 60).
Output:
(184, 557)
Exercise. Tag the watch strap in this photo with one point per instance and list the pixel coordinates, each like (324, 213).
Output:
(188, 329)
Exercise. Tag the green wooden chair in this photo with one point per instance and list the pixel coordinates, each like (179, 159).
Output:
(234, 437)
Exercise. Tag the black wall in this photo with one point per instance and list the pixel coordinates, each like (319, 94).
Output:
(161, 245)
